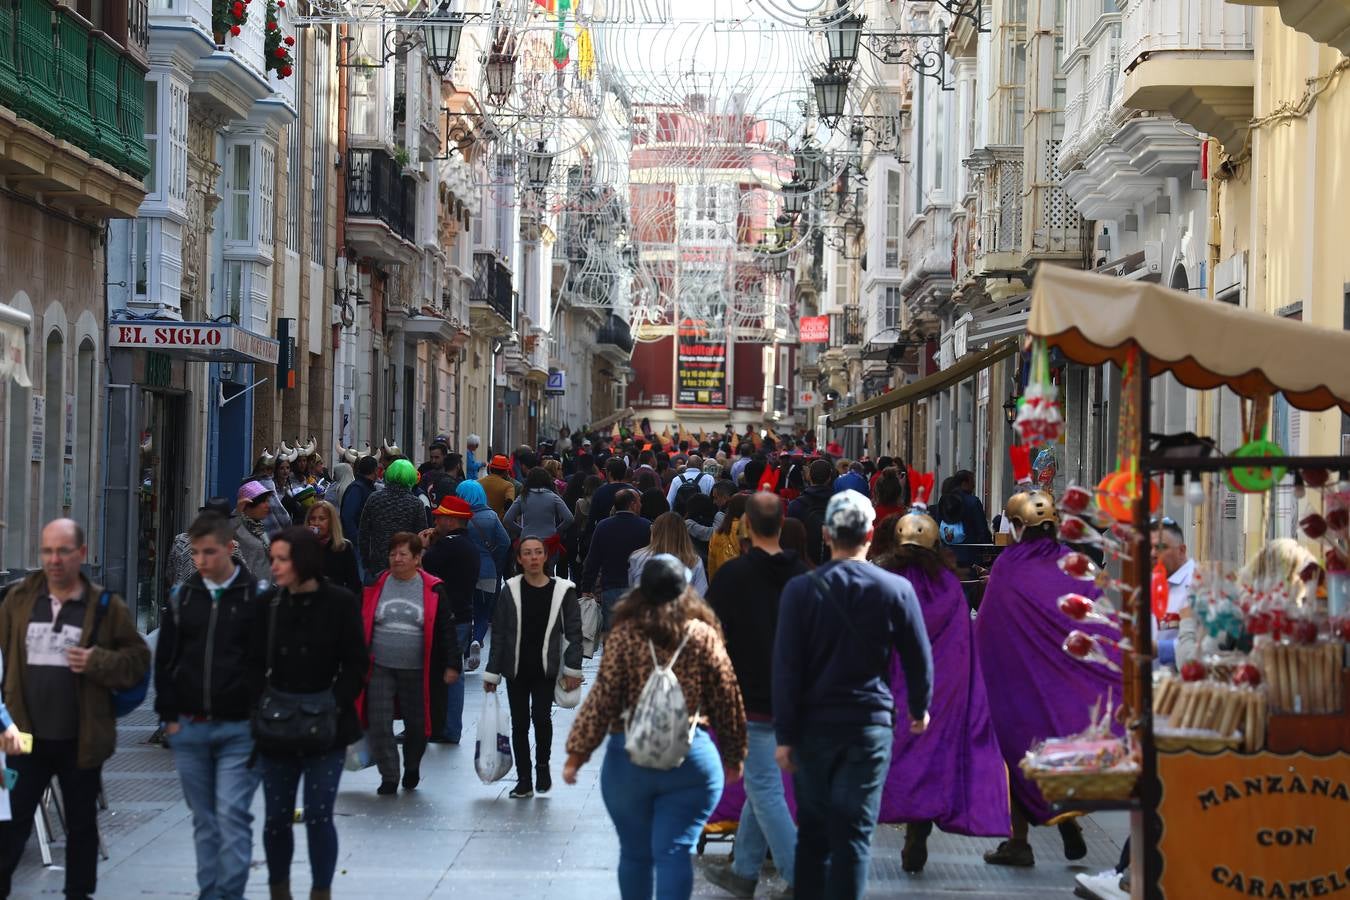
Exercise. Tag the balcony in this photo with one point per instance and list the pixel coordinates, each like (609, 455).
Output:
(1193, 61)
(997, 182)
(491, 299)
(846, 328)
(1325, 21)
(614, 340)
(79, 97)
(381, 207)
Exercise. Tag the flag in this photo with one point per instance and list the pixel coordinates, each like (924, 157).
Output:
(560, 54)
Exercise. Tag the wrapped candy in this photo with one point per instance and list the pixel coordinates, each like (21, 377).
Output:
(1087, 647)
(1084, 609)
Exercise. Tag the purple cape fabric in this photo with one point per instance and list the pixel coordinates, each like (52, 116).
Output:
(953, 773)
(1035, 689)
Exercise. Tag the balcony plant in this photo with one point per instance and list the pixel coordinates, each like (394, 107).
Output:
(276, 48)
(228, 17)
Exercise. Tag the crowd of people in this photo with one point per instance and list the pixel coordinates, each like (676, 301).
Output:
(785, 642)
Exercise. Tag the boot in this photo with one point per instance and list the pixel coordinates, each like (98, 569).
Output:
(280, 891)
(915, 853)
(326, 894)
(1071, 834)
(543, 781)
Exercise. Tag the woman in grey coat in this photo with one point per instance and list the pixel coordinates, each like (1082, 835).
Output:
(536, 642)
(538, 511)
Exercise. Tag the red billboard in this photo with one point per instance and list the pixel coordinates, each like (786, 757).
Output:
(814, 330)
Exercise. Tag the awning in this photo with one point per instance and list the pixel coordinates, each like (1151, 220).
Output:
(200, 341)
(962, 369)
(13, 345)
(1203, 343)
(428, 328)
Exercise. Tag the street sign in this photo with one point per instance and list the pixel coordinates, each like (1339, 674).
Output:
(806, 398)
(556, 384)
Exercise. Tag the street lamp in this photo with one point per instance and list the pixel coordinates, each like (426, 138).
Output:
(842, 37)
(809, 162)
(539, 165)
(831, 89)
(794, 197)
(1010, 410)
(501, 74)
(441, 32)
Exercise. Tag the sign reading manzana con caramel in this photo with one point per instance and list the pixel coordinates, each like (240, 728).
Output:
(1268, 825)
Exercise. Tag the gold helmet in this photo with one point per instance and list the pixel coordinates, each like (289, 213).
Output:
(1013, 508)
(1036, 508)
(917, 529)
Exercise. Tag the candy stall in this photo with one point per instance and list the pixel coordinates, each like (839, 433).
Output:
(1235, 760)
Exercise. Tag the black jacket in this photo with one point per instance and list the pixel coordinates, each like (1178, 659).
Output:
(201, 658)
(320, 644)
(454, 560)
(809, 509)
(745, 595)
(615, 540)
(339, 567)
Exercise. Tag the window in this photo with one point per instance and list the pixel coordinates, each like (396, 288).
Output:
(177, 121)
(940, 139)
(152, 134)
(233, 280)
(267, 167)
(840, 279)
(319, 160)
(365, 81)
(891, 308)
(140, 258)
(892, 219)
(238, 226)
(294, 172)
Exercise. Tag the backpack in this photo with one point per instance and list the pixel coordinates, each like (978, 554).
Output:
(658, 728)
(950, 526)
(124, 701)
(686, 490)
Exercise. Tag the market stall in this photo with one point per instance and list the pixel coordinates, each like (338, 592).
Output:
(1237, 772)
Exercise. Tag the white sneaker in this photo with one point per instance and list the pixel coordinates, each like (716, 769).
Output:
(1102, 886)
(475, 657)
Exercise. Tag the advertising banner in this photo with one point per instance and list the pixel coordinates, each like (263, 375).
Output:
(700, 366)
(814, 330)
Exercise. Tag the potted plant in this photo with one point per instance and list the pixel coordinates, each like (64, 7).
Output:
(228, 18)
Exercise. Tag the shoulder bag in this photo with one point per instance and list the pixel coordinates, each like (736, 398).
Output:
(291, 724)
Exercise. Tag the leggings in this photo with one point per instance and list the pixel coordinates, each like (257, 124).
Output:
(281, 778)
(531, 701)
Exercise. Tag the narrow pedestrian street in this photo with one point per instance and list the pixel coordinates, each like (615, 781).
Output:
(455, 837)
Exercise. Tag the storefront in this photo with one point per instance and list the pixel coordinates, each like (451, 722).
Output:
(165, 446)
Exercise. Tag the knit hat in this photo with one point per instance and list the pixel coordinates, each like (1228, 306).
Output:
(400, 472)
(454, 508)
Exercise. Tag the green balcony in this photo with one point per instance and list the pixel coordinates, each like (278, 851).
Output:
(105, 74)
(9, 70)
(131, 117)
(71, 46)
(39, 97)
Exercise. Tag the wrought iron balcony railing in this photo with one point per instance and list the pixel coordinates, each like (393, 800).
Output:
(377, 189)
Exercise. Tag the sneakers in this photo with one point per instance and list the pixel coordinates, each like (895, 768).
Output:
(475, 658)
(1071, 833)
(729, 881)
(1102, 886)
(543, 781)
(522, 791)
(1009, 853)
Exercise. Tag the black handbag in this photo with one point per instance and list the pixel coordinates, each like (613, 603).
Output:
(291, 724)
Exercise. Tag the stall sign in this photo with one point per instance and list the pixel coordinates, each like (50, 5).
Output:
(701, 367)
(814, 330)
(1273, 825)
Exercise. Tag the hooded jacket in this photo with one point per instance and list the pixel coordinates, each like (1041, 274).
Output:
(564, 625)
(745, 595)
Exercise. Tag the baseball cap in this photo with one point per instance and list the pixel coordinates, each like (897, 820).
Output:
(250, 491)
(849, 512)
(454, 507)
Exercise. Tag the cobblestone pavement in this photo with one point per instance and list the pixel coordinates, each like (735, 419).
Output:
(456, 837)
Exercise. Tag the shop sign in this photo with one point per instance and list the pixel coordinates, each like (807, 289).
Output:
(814, 330)
(806, 399)
(1273, 825)
(202, 341)
(556, 384)
(39, 428)
(701, 366)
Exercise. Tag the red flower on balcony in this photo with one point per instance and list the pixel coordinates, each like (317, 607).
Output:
(235, 30)
(228, 16)
(276, 54)
(290, 41)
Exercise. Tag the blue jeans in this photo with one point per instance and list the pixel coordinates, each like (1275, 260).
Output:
(840, 774)
(484, 602)
(218, 784)
(281, 779)
(454, 694)
(609, 598)
(766, 820)
(659, 817)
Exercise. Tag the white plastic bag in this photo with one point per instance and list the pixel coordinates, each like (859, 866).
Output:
(565, 698)
(493, 762)
(590, 624)
(358, 756)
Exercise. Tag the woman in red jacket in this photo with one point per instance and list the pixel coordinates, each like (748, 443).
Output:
(410, 629)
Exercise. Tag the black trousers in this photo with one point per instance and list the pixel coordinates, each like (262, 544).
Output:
(531, 702)
(79, 796)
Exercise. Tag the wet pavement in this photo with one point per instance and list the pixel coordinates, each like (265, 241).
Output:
(456, 837)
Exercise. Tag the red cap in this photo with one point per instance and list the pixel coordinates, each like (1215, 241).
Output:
(454, 507)
(500, 462)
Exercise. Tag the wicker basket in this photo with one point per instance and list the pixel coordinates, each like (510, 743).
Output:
(1058, 784)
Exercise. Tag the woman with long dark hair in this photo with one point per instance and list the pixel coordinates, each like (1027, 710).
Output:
(659, 813)
(669, 535)
(310, 642)
(957, 760)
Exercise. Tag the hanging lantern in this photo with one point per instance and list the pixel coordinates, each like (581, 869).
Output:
(501, 75)
(539, 165)
(831, 90)
(794, 197)
(441, 32)
(842, 37)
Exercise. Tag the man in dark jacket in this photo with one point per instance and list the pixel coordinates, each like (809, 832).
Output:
(355, 497)
(616, 475)
(452, 557)
(391, 510)
(66, 643)
(745, 595)
(204, 697)
(614, 541)
(809, 508)
(833, 712)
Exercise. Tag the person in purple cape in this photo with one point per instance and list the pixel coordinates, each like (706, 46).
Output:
(952, 775)
(1035, 689)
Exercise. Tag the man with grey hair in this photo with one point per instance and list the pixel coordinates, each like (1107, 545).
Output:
(833, 711)
(693, 478)
(471, 463)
